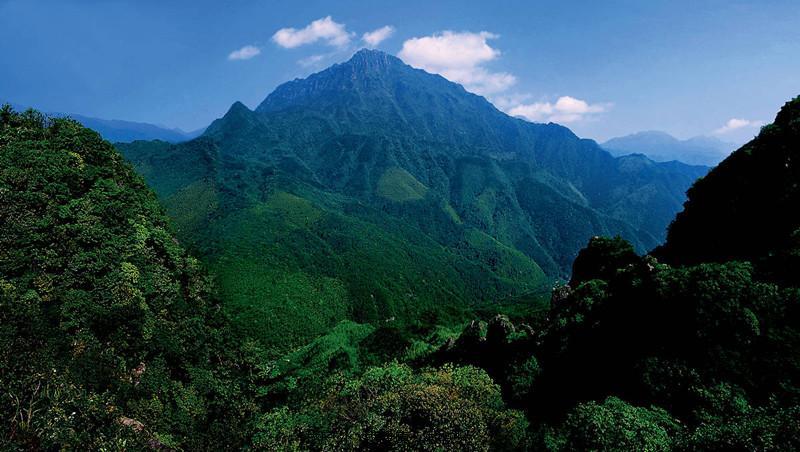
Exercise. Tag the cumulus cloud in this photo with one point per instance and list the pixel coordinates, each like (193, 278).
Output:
(375, 37)
(459, 57)
(735, 124)
(245, 53)
(566, 109)
(325, 29)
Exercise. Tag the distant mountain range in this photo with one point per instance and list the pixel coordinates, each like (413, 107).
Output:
(662, 147)
(373, 190)
(117, 130)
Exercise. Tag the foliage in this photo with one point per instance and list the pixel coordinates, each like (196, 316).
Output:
(617, 426)
(110, 335)
(522, 378)
(374, 191)
(710, 348)
(394, 408)
(601, 257)
(726, 215)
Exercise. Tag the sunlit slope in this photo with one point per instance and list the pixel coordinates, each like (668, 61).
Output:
(372, 191)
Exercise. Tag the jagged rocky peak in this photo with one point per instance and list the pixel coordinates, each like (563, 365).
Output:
(361, 72)
(369, 60)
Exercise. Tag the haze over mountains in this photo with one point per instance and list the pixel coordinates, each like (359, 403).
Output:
(121, 131)
(374, 190)
(662, 147)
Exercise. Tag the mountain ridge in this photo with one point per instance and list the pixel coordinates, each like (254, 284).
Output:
(124, 131)
(374, 152)
(663, 147)
(723, 217)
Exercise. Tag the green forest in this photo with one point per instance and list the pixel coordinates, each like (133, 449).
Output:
(375, 192)
(376, 259)
(114, 337)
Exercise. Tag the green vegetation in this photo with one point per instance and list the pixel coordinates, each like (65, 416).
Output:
(110, 335)
(754, 193)
(616, 425)
(292, 262)
(397, 184)
(373, 191)
(343, 325)
(112, 339)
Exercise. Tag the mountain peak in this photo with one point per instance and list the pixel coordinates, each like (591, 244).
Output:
(237, 111)
(238, 106)
(365, 71)
(372, 59)
(238, 114)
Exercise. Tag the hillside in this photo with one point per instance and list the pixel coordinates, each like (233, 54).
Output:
(662, 147)
(699, 353)
(110, 335)
(111, 339)
(372, 165)
(746, 208)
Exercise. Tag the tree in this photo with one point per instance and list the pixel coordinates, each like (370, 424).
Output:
(614, 425)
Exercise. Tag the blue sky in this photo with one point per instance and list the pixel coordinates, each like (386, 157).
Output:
(603, 68)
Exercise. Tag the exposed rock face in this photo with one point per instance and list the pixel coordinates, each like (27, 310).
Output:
(499, 330)
(472, 335)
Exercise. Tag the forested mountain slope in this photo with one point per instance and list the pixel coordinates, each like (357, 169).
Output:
(110, 338)
(110, 335)
(747, 207)
(372, 190)
(697, 354)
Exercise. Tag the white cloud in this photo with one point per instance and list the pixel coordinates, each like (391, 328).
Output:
(462, 58)
(735, 124)
(325, 29)
(375, 37)
(311, 60)
(565, 110)
(459, 57)
(245, 53)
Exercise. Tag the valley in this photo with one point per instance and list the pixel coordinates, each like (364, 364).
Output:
(345, 196)
(399, 226)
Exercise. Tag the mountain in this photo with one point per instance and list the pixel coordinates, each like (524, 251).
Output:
(695, 348)
(111, 337)
(746, 207)
(374, 191)
(662, 147)
(116, 130)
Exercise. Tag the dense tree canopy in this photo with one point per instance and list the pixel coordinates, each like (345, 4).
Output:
(112, 339)
(108, 329)
(111, 336)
